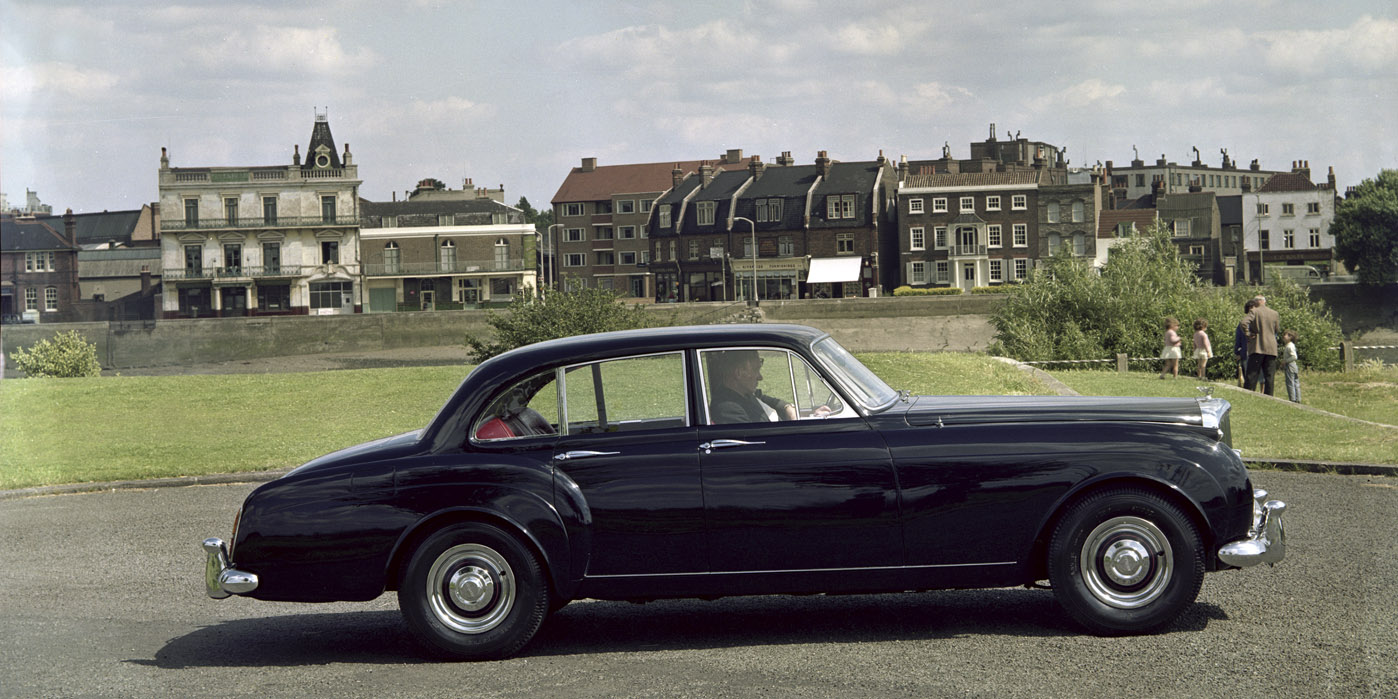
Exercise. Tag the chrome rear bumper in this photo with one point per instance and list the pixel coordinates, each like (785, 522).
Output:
(1266, 541)
(220, 580)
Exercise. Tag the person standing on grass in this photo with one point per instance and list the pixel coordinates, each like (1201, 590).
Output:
(1171, 353)
(1240, 341)
(1291, 369)
(1203, 348)
(1262, 346)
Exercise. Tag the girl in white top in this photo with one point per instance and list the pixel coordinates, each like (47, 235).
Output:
(1171, 353)
(1203, 349)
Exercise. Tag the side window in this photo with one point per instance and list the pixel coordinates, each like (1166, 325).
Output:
(636, 393)
(527, 409)
(754, 385)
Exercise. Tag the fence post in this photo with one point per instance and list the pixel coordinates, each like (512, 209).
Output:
(1347, 355)
(1121, 365)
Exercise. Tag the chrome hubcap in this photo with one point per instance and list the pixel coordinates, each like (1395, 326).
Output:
(470, 588)
(1127, 562)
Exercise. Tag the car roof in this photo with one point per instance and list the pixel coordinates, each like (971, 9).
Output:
(583, 348)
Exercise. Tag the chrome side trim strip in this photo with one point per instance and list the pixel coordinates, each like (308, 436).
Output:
(802, 570)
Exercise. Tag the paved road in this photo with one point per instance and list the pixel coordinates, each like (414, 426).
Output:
(101, 595)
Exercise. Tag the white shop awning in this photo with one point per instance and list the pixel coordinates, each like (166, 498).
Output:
(833, 269)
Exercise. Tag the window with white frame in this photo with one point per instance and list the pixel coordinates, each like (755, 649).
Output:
(1019, 202)
(665, 216)
(38, 261)
(31, 299)
(1288, 209)
(917, 272)
(1262, 209)
(574, 259)
(574, 209)
(1288, 239)
(838, 206)
(1313, 207)
(915, 206)
(230, 210)
(574, 235)
(643, 258)
(693, 249)
(992, 202)
(844, 243)
(997, 270)
(1021, 267)
(1052, 212)
(967, 205)
(993, 235)
(448, 256)
(1080, 244)
(786, 247)
(645, 205)
(392, 257)
(917, 238)
(705, 211)
(939, 237)
(1021, 235)
(939, 205)
(626, 206)
(51, 298)
(1315, 237)
(502, 253)
(768, 210)
(1078, 212)
(626, 232)
(1196, 250)
(943, 271)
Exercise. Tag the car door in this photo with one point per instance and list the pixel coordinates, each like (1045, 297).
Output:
(628, 448)
(812, 493)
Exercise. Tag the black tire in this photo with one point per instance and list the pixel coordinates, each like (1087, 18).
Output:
(1125, 562)
(473, 592)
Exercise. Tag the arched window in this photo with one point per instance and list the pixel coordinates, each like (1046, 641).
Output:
(1055, 240)
(448, 258)
(1053, 212)
(502, 254)
(1077, 212)
(392, 257)
(1079, 244)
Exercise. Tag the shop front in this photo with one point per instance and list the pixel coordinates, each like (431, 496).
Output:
(776, 278)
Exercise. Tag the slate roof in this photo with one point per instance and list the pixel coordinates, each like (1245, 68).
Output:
(122, 262)
(320, 134)
(31, 235)
(433, 206)
(976, 179)
(1108, 219)
(1230, 210)
(99, 228)
(788, 183)
(606, 180)
(1288, 182)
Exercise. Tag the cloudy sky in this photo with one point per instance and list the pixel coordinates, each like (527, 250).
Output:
(515, 93)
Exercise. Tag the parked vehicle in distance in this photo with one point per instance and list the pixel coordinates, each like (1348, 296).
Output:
(1301, 274)
(749, 459)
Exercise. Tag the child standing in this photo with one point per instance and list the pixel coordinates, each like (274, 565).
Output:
(1203, 349)
(1171, 353)
(1290, 368)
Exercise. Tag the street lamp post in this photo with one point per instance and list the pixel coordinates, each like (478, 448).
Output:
(752, 227)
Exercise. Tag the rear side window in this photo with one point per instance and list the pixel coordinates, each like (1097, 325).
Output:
(635, 393)
(529, 408)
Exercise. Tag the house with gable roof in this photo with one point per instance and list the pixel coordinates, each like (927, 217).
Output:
(1287, 222)
(38, 268)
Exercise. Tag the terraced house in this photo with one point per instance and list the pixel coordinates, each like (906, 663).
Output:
(776, 231)
(38, 268)
(262, 240)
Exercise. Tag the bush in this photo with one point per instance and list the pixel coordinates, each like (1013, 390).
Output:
(555, 314)
(66, 355)
(1067, 310)
(926, 291)
(997, 289)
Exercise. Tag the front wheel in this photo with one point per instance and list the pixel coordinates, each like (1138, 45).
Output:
(1125, 562)
(473, 592)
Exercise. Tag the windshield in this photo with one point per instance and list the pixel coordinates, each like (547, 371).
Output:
(867, 388)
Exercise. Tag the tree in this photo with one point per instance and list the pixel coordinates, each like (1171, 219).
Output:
(67, 355)
(555, 314)
(1366, 229)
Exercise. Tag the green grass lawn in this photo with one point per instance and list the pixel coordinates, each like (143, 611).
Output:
(1369, 393)
(1268, 429)
(117, 428)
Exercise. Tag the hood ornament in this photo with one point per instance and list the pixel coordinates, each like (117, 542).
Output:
(1208, 391)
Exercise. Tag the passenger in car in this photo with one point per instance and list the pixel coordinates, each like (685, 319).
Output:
(733, 393)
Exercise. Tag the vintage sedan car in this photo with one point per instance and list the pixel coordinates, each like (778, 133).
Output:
(741, 460)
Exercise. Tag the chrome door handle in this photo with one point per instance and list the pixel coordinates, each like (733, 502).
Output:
(582, 454)
(724, 443)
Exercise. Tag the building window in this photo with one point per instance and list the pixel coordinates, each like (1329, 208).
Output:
(997, 270)
(747, 248)
(939, 205)
(628, 258)
(769, 210)
(38, 261)
(574, 235)
(327, 208)
(1288, 239)
(1262, 209)
(968, 205)
(992, 234)
(233, 259)
(1021, 268)
(645, 205)
(785, 246)
(917, 238)
(193, 260)
(1140, 180)
(838, 206)
(1196, 250)
(626, 232)
(1181, 228)
(574, 284)
(693, 249)
(1053, 212)
(230, 210)
(943, 272)
(51, 298)
(915, 206)
(602, 207)
(1079, 244)
(447, 259)
(644, 258)
(392, 257)
(1054, 241)
(269, 211)
(626, 206)
(1313, 207)
(1125, 229)
(575, 209)
(329, 252)
(992, 203)
(1315, 237)
(1264, 241)
(1288, 209)
(274, 298)
(502, 254)
(191, 213)
(31, 299)
(1078, 212)
(968, 272)
(1021, 235)
(606, 257)
(939, 237)
(917, 273)
(272, 258)
(1019, 202)
(844, 243)
(665, 216)
(705, 211)
(331, 294)
(602, 233)
(574, 259)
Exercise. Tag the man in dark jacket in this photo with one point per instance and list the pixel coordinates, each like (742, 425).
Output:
(1240, 342)
(1263, 324)
(733, 393)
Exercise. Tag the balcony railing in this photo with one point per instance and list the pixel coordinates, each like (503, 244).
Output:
(422, 269)
(967, 250)
(205, 224)
(243, 272)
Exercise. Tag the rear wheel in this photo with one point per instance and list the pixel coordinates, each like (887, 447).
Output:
(474, 592)
(1125, 561)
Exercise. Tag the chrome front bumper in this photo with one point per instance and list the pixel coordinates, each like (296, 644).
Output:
(1266, 541)
(220, 580)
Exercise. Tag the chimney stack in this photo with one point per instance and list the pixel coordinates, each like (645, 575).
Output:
(822, 163)
(706, 173)
(589, 164)
(786, 158)
(733, 156)
(755, 167)
(1330, 179)
(676, 176)
(70, 227)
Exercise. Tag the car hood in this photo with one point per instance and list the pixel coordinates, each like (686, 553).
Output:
(965, 410)
(376, 450)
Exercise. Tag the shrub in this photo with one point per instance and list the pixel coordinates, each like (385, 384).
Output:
(1068, 310)
(552, 315)
(926, 291)
(997, 289)
(65, 355)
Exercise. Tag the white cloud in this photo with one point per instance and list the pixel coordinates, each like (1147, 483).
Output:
(879, 37)
(1090, 94)
(56, 79)
(1368, 45)
(312, 51)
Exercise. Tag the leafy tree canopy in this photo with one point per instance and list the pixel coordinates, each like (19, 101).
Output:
(1366, 229)
(555, 314)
